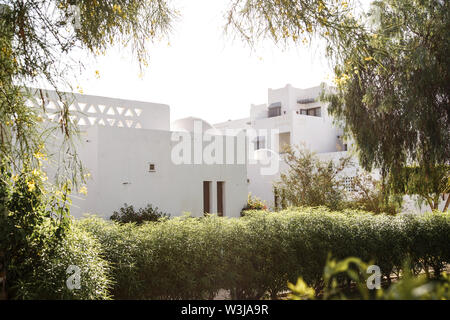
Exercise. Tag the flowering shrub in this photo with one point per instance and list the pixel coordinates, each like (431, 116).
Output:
(253, 203)
(38, 241)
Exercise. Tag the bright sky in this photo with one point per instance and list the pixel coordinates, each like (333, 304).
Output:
(203, 73)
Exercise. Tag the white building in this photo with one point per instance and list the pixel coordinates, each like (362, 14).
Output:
(136, 156)
(127, 148)
(298, 117)
(291, 116)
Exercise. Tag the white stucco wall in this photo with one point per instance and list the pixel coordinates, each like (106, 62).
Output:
(119, 139)
(121, 175)
(315, 133)
(261, 186)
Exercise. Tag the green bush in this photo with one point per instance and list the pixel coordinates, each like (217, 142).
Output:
(174, 259)
(255, 256)
(48, 278)
(120, 246)
(128, 214)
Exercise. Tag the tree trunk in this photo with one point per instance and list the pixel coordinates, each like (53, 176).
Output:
(430, 203)
(446, 203)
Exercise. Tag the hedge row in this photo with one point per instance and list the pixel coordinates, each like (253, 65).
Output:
(193, 258)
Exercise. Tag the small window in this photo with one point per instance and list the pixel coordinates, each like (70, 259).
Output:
(315, 112)
(151, 167)
(274, 111)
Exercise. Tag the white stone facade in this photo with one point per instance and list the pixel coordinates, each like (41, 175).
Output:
(298, 117)
(127, 148)
(132, 151)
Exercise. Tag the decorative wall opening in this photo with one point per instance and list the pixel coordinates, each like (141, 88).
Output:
(88, 110)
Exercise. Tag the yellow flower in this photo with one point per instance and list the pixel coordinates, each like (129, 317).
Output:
(83, 190)
(31, 185)
(368, 58)
(117, 8)
(97, 74)
(40, 156)
(341, 80)
(321, 6)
